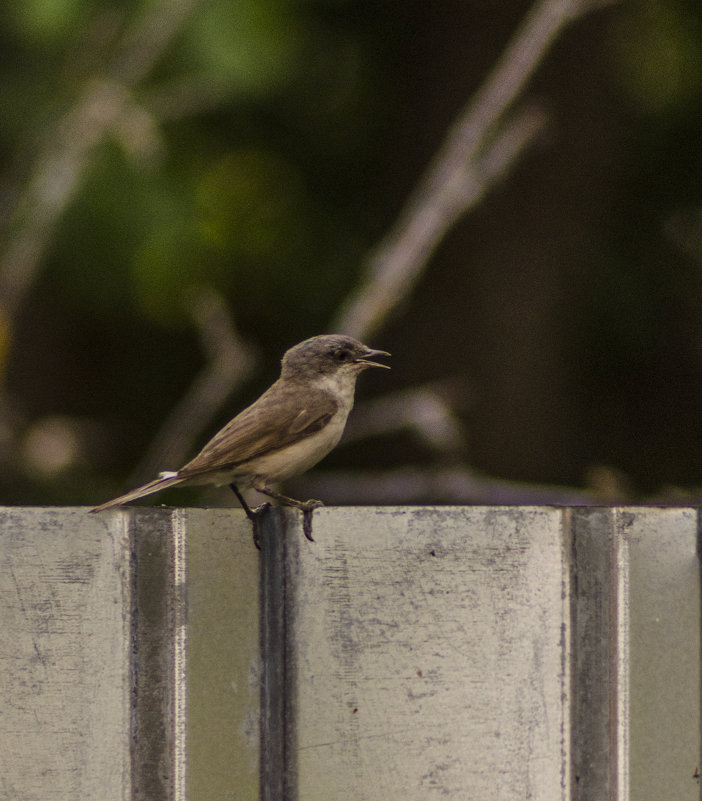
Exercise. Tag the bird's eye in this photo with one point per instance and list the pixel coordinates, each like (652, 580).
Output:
(342, 355)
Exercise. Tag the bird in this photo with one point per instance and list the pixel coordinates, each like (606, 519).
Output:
(287, 430)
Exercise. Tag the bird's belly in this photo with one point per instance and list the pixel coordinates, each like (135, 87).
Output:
(295, 459)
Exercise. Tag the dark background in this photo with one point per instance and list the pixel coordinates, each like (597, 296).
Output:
(274, 145)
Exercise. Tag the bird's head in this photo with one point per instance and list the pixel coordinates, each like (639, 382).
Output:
(330, 354)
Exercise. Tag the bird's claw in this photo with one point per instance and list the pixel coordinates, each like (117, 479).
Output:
(255, 518)
(311, 505)
(308, 508)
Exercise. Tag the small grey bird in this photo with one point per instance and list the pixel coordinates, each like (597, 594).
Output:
(294, 424)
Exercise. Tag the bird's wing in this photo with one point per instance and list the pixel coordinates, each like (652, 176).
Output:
(269, 423)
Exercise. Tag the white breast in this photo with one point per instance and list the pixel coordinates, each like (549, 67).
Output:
(297, 458)
(279, 465)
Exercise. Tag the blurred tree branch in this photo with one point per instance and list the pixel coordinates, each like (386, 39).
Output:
(427, 410)
(483, 143)
(479, 149)
(229, 363)
(105, 107)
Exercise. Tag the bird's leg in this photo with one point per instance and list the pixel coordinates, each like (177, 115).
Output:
(254, 515)
(247, 509)
(307, 507)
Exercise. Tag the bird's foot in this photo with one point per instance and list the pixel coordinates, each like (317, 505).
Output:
(310, 505)
(256, 517)
(254, 514)
(308, 508)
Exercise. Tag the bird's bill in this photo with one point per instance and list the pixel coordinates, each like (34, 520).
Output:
(370, 352)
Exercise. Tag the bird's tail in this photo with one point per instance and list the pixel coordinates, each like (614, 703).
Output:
(156, 485)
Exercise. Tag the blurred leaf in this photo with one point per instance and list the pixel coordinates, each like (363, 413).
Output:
(248, 221)
(165, 270)
(284, 251)
(660, 54)
(247, 45)
(103, 227)
(254, 203)
(48, 21)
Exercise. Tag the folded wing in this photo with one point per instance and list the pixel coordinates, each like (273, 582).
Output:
(269, 423)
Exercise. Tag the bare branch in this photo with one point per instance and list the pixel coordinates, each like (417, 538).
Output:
(147, 39)
(472, 157)
(426, 410)
(56, 177)
(105, 107)
(184, 97)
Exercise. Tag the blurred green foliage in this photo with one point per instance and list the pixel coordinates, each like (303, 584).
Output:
(660, 55)
(248, 47)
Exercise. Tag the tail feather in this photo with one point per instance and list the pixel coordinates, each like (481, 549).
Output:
(140, 492)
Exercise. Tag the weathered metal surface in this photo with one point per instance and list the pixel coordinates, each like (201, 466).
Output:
(64, 657)
(636, 654)
(660, 650)
(224, 667)
(157, 663)
(594, 644)
(430, 655)
(492, 653)
(278, 721)
(101, 682)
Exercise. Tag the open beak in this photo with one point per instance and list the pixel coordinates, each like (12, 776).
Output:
(370, 352)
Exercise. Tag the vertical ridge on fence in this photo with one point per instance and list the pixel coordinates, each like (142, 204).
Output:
(594, 681)
(277, 608)
(179, 620)
(157, 664)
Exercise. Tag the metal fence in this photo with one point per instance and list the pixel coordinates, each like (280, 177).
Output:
(408, 653)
